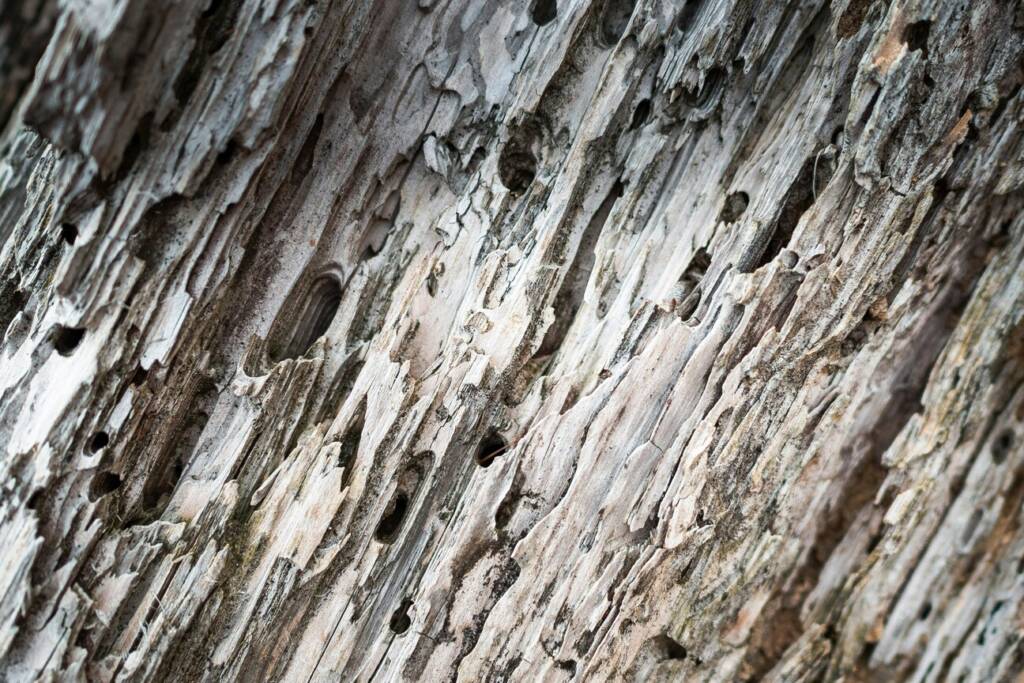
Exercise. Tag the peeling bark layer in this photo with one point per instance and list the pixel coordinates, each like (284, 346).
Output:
(472, 340)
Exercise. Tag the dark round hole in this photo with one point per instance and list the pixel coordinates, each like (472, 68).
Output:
(735, 206)
(67, 339)
(305, 321)
(69, 232)
(1002, 445)
(641, 114)
(517, 168)
(160, 486)
(139, 376)
(391, 522)
(615, 16)
(688, 14)
(400, 621)
(99, 442)
(699, 98)
(518, 161)
(543, 11)
(837, 137)
(103, 483)
(916, 36)
(493, 446)
(670, 647)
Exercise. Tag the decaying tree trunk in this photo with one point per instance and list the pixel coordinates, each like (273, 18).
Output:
(483, 341)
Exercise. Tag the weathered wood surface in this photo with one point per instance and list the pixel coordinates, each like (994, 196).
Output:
(674, 340)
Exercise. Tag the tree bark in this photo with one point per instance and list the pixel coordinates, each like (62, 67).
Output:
(482, 341)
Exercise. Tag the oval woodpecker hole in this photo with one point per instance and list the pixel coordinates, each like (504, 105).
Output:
(915, 35)
(139, 376)
(159, 488)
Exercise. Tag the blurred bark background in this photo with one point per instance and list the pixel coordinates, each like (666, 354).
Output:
(486, 341)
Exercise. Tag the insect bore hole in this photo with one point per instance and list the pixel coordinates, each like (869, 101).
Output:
(641, 114)
(312, 322)
(916, 37)
(400, 621)
(69, 233)
(104, 483)
(66, 339)
(735, 206)
(543, 11)
(391, 522)
(99, 442)
(1002, 445)
(492, 446)
(615, 16)
(517, 167)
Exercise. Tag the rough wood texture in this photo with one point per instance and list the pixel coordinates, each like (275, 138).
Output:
(579, 340)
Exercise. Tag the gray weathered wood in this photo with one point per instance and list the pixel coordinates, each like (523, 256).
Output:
(472, 340)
